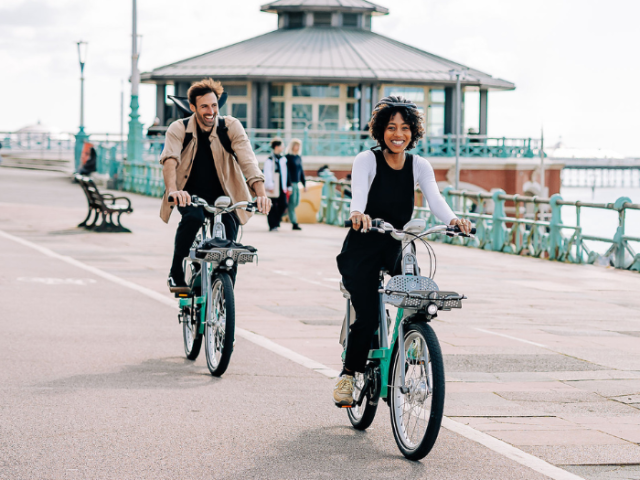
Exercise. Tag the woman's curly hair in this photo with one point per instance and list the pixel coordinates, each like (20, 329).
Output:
(387, 108)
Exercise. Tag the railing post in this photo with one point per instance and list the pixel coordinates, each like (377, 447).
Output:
(498, 229)
(555, 229)
(621, 252)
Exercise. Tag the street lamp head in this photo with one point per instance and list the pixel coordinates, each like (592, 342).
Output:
(82, 52)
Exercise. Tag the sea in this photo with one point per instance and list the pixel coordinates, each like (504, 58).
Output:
(603, 223)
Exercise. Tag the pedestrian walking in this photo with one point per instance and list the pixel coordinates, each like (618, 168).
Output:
(296, 177)
(275, 182)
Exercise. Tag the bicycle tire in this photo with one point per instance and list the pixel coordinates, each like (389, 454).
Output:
(219, 337)
(418, 447)
(191, 338)
(362, 417)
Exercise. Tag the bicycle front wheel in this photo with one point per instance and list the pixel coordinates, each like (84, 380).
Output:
(416, 410)
(219, 330)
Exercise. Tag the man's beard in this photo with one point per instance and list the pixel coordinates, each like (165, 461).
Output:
(203, 122)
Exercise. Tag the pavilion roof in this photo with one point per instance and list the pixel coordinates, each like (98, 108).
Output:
(332, 5)
(327, 54)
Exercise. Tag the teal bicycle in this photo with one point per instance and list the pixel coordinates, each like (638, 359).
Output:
(406, 369)
(207, 312)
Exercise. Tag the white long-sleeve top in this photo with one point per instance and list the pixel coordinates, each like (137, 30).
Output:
(364, 171)
(270, 170)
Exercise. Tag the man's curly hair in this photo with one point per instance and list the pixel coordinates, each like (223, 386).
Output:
(387, 108)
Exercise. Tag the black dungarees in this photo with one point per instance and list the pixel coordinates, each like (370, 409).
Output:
(391, 198)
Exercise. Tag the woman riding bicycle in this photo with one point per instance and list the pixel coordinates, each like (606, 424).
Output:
(383, 185)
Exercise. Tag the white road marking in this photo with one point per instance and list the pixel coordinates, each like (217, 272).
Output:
(58, 281)
(466, 431)
(512, 338)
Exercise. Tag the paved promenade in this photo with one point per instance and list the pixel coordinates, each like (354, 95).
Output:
(544, 357)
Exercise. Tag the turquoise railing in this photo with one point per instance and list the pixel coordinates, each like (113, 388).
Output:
(519, 225)
(347, 144)
(322, 143)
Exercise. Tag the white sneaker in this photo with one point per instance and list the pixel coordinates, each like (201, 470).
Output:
(343, 391)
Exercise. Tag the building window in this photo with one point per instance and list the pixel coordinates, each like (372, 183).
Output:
(277, 115)
(328, 117)
(236, 90)
(353, 117)
(322, 19)
(353, 91)
(436, 95)
(296, 19)
(318, 91)
(349, 19)
(277, 90)
(415, 94)
(301, 116)
(239, 111)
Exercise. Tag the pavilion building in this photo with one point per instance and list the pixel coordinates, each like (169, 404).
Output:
(324, 69)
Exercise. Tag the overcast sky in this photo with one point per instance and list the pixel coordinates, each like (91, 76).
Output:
(573, 61)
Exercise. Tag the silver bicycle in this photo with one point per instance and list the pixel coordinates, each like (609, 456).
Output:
(208, 310)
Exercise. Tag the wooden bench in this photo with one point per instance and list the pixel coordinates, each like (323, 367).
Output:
(102, 206)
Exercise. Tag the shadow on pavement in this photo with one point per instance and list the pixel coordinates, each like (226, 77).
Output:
(331, 452)
(162, 373)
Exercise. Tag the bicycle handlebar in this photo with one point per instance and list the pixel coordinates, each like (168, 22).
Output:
(378, 224)
(201, 202)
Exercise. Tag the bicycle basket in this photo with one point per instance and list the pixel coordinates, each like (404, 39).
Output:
(397, 291)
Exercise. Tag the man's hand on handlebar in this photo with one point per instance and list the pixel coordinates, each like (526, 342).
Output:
(181, 197)
(264, 204)
(463, 224)
(360, 220)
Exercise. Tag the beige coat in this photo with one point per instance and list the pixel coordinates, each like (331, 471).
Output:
(236, 177)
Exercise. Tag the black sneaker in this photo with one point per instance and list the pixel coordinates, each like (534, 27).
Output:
(296, 227)
(177, 284)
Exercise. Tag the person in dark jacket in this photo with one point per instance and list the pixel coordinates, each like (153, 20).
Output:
(296, 177)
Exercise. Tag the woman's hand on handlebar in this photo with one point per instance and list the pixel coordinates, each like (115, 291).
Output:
(360, 220)
(463, 224)
(181, 197)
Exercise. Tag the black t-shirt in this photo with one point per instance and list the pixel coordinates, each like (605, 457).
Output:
(203, 180)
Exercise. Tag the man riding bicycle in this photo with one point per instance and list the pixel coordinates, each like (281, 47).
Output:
(195, 162)
(383, 185)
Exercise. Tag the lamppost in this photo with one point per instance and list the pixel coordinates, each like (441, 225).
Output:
(134, 143)
(458, 74)
(81, 136)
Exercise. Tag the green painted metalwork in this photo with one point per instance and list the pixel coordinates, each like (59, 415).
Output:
(521, 225)
(134, 141)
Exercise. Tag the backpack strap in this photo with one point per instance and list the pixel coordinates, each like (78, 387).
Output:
(188, 135)
(223, 135)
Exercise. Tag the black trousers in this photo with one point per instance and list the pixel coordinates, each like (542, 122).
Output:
(190, 224)
(360, 262)
(278, 207)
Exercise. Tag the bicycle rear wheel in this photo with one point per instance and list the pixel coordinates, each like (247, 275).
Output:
(361, 416)
(190, 326)
(219, 330)
(416, 414)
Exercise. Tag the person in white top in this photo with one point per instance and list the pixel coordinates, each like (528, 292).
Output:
(275, 183)
(383, 186)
